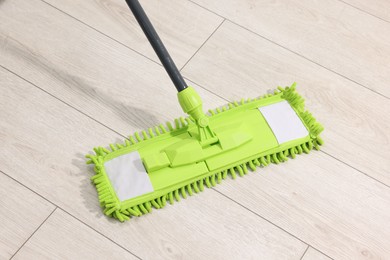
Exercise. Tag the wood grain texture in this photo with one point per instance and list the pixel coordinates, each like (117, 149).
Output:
(328, 32)
(316, 198)
(378, 8)
(21, 213)
(91, 72)
(241, 65)
(182, 25)
(50, 139)
(340, 211)
(63, 237)
(312, 254)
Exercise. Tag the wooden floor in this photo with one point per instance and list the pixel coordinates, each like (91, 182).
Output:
(78, 74)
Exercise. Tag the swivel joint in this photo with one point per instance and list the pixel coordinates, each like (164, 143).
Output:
(191, 104)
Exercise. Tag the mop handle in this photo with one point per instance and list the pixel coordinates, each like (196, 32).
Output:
(157, 44)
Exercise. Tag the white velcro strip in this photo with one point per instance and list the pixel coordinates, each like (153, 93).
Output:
(284, 122)
(128, 176)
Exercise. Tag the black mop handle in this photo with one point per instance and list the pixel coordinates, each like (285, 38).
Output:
(157, 44)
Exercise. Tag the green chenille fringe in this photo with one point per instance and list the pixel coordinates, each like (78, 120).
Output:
(114, 208)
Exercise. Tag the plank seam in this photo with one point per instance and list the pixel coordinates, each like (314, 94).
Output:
(226, 19)
(294, 52)
(364, 11)
(28, 239)
(59, 207)
(193, 55)
(304, 253)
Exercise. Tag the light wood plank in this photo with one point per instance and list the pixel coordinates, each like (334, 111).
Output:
(182, 25)
(86, 69)
(379, 8)
(328, 32)
(50, 139)
(331, 206)
(238, 64)
(64, 237)
(21, 213)
(312, 254)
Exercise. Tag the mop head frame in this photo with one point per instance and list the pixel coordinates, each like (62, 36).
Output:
(166, 163)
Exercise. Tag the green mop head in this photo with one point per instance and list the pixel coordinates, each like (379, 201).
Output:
(165, 163)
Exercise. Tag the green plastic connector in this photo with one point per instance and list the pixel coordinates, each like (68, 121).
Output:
(192, 104)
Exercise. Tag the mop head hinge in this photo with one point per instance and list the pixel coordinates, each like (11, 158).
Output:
(192, 104)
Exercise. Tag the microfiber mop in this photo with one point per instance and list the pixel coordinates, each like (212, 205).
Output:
(168, 162)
